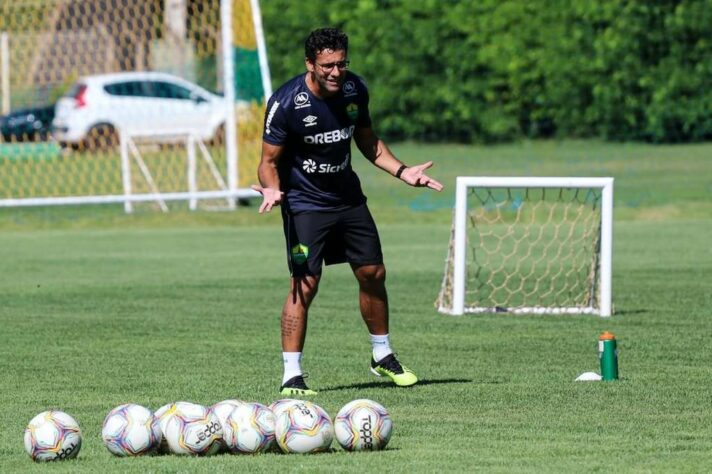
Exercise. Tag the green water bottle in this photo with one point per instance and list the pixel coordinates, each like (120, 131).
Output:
(608, 354)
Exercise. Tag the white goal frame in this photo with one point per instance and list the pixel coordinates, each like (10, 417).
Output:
(195, 151)
(131, 152)
(463, 183)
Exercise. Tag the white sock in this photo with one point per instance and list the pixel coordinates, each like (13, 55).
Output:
(381, 346)
(292, 365)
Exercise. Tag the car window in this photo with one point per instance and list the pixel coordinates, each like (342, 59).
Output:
(166, 90)
(127, 89)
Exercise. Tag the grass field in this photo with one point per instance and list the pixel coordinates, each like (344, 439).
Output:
(98, 309)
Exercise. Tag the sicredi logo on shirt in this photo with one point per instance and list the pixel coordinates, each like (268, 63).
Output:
(310, 166)
(333, 136)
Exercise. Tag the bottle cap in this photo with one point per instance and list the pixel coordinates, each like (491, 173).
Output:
(606, 336)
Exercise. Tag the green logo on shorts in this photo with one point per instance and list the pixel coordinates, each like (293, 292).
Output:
(300, 253)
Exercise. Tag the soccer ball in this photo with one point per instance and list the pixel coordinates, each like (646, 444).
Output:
(53, 436)
(279, 406)
(249, 428)
(363, 425)
(131, 430)
(304, 428)
(191, 429)
(162, 415)
(222, 410)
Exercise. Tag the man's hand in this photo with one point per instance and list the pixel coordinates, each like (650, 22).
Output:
(270, 197)
(414, 176)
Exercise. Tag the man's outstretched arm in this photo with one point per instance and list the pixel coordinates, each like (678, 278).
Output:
(269, 177)
(378, 153)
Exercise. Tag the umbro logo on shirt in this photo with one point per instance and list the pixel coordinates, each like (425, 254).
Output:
(309, 121)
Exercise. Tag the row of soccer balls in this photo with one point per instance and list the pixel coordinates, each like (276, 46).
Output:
(234, 426)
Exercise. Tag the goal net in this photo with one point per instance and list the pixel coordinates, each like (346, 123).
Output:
(156, 170)
(82, 80)
(529, 245)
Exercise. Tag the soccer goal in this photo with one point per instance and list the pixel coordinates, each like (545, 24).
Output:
(539, 245)
(174, 167)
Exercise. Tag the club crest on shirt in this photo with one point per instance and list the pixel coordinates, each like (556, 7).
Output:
(352, 111)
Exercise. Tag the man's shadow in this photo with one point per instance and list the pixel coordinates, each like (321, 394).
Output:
(389, 385)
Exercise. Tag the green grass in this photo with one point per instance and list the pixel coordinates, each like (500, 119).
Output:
(99, 308)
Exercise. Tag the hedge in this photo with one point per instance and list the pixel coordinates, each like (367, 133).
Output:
(496, 70)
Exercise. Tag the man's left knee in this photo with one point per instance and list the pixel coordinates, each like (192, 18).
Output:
(371, 273)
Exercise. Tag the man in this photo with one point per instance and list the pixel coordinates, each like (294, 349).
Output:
(306, 168)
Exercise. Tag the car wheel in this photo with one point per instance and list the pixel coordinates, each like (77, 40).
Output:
(101, 137)
(69, 146)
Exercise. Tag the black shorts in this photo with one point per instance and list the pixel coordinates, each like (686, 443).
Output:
(314, 238)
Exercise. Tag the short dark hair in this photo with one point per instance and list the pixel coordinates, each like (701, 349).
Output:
(325, 38)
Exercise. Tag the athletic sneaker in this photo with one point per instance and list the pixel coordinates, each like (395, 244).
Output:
(296, 386)
(390, 367)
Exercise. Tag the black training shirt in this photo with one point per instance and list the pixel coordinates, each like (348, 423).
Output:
(315, 168)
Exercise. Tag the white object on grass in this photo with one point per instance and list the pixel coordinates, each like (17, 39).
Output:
(588, 377)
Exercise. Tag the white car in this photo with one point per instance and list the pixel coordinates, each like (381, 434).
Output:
(98, 108)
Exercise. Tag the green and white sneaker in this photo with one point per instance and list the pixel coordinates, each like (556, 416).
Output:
(296, 387)
(390, 367)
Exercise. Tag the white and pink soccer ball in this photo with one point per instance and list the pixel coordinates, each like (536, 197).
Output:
(191, 429)
(162, 415)
(363, 425)
(279, 406)
(222, 410)
(304, 427)
(249, 428)
(52, 436)
(131, 430)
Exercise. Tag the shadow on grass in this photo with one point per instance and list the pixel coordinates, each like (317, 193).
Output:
(389, 385)
(623, 312)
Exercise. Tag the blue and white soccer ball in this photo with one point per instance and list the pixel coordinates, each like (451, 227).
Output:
(53, 436)
(191, 429)
(249, 428)
(363, 425)
(131, 430)
(304, 428)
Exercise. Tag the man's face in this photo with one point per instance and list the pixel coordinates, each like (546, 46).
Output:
(329, 70)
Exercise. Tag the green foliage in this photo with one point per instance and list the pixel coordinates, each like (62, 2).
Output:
(493, 71)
